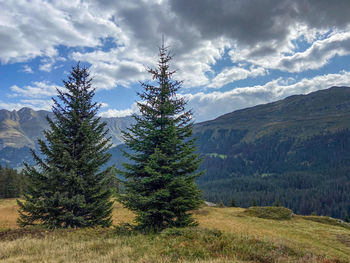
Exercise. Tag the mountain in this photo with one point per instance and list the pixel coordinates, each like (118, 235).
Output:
(293, 152)
(22, 128)
(298, 116)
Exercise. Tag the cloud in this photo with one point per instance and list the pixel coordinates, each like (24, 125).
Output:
(120, 113)
(35, 104)
(104, 105)
(318, 54)
(116, 113)
(232, 74)
(212, 105)
(27, 69)
(47, 64)
(262, 33)
(29, 29)
(254, 22)
(108, 71)
(37, 90)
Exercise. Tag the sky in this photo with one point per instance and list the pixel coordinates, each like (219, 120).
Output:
(230, 54)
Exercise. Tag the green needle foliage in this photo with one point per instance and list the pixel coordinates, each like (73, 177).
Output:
(159, 184)
(68, 188)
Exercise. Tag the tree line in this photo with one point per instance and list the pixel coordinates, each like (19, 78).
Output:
(12, 183)
(309, 176)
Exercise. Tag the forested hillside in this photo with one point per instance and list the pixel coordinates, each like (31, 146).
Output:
(293, 152)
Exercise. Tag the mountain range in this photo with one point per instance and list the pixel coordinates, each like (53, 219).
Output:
(22, 128)
(293, 152)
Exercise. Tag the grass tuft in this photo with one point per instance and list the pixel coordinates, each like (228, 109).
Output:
(328, 221)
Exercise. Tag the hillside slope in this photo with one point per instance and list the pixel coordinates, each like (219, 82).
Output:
(223, 235)
(298, 116)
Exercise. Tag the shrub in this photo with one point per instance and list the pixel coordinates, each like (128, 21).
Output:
(270, 212)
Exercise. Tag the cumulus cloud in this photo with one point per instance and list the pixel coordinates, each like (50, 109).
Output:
(263, 33)
(104, 105)
(143, 23)
(108, 71)
(27, 69)
(29, 29)
(120, 113)
(318, 54)
(116, 113)
(37, 90)
(232, 74)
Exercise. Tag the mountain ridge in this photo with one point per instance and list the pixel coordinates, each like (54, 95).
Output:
(273, 117)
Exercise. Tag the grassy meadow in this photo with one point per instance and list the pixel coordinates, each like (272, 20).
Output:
(223, 235)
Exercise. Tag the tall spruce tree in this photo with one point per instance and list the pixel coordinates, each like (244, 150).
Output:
(68, 187)
(159, 184)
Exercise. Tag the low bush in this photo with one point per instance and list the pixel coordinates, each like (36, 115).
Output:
(269, 212)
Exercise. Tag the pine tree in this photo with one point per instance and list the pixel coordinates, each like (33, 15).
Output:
(159, 184)
(68, 187)
(233, 202)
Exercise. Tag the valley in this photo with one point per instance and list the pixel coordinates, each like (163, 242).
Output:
(293, 152)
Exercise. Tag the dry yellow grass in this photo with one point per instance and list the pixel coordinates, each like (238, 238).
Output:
(122, 215)
(316, 241)
(8, 213)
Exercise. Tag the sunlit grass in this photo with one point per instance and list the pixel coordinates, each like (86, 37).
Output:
(223, 235)
(8, 213)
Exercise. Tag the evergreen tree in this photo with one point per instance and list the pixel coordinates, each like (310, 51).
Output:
(277, 203)
(160, 177)
(221, 204)
(68, 187)
(233, 202)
